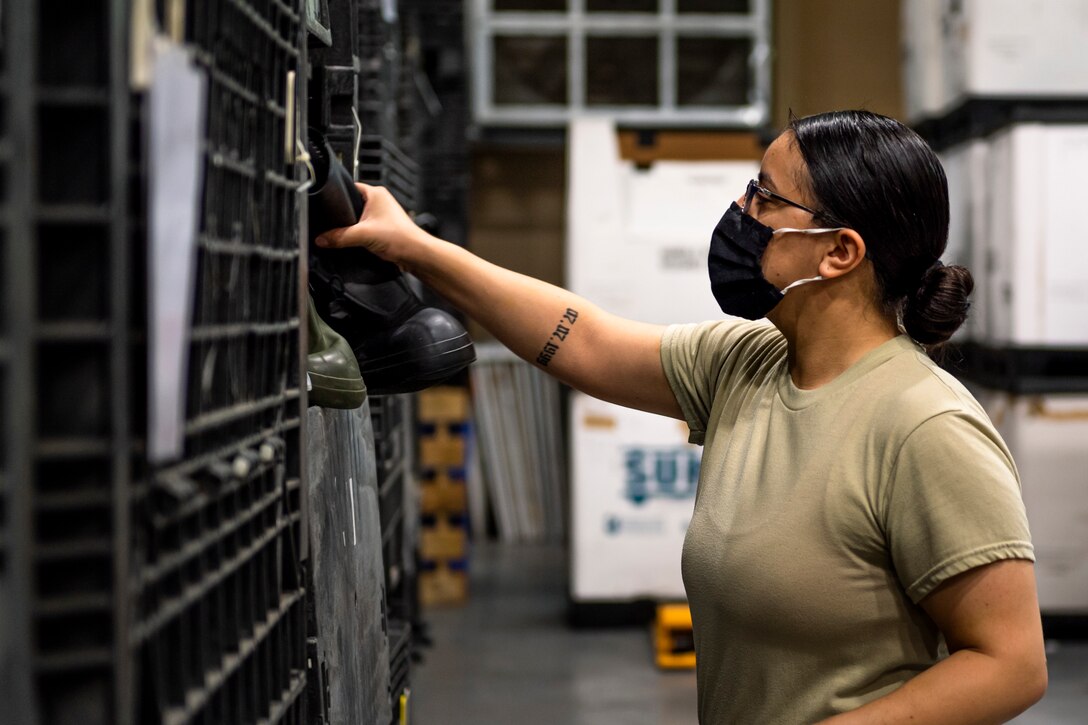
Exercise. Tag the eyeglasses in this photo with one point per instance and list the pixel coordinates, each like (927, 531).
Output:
(754, 188)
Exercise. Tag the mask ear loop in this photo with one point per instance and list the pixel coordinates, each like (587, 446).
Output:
(798, 283)
(822, 230)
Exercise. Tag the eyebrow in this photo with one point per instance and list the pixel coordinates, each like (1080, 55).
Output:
(765, 179)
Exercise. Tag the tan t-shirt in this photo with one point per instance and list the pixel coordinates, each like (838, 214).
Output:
(824, 516)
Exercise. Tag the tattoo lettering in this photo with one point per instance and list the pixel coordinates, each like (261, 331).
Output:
(558, 336)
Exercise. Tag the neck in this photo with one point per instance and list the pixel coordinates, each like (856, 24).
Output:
(828, 333)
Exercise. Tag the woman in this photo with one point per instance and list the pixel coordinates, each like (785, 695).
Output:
(859, 551)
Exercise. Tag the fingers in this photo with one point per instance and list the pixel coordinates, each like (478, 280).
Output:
(366, 190)
(350, 236)
(333, 238)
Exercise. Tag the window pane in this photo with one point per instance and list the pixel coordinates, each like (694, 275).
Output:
(713, 6)
(530, 70)
(553, 6)
(621, 6)
(712, 71)
(621, 71)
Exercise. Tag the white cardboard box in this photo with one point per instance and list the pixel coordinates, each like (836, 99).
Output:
(634, 477)
(965, 167)
(956, 49)
(638, 239)
(921, 45)
(1018, 48)
(1048, 438)
(1036, 239)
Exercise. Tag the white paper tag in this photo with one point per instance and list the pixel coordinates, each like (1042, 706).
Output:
(175, 188)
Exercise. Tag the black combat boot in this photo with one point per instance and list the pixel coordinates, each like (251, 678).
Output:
(402, 346)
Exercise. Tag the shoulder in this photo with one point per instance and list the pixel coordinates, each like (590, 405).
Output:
(703, 360)
(720, 342)
(919, 392)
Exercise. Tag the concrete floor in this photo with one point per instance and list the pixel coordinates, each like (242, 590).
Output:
(508, 657)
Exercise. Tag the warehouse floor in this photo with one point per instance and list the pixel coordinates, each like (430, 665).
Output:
(507, 657)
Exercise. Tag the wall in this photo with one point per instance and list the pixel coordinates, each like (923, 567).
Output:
(833, 54)
(517, 212)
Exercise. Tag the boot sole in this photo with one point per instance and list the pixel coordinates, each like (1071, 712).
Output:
(341, 393)
(414, 370)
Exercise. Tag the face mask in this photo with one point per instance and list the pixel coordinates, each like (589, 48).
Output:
(736, 272)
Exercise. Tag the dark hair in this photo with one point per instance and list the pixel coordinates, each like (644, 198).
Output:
(881, 179)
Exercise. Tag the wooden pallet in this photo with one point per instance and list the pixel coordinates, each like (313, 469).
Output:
(443, 404)
(446, 583)
(443, 492)
(443, 538)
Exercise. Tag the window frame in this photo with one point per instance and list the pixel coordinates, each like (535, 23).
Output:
(576, 24)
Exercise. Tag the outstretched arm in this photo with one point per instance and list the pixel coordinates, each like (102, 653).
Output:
(587, 348)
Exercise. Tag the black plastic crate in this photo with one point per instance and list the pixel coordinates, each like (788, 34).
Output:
(218, 536)
(382, 162)
(242, 378)
(343, 27)
(388, 415)
(221, 607)
(981, 116)
(400, 660)
(1020, 370)
(377, 37)
(73, 310)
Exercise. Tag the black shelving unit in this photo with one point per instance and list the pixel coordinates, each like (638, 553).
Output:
(335, 76)
(978, 117)
(140, 593)
(16, 370)
(363, 103)
(392, 419)
(443, 148)
(66, 365)
(382, 162)
(219, 626)
(380, 57)
(1020, 370)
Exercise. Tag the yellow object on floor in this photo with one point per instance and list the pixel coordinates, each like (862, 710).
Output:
(674, 643)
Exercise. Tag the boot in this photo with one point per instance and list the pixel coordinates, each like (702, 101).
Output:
(331, 366)
(402, 346)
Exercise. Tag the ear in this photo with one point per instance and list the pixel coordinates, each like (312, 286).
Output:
(846, 252)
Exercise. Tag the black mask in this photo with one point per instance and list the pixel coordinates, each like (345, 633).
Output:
(735, 265)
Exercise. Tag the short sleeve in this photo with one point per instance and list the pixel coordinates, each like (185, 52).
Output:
(954, 503)
(700, 358)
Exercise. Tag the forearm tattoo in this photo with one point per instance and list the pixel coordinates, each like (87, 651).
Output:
(557, 337)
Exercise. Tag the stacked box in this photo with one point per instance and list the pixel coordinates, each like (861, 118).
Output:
(1046, 435)
(1000, 89)
(960, 52)
(444, 422)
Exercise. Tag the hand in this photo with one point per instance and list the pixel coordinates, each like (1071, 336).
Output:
(384, 228)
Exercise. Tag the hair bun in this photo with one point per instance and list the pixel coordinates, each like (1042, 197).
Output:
(939, 305)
